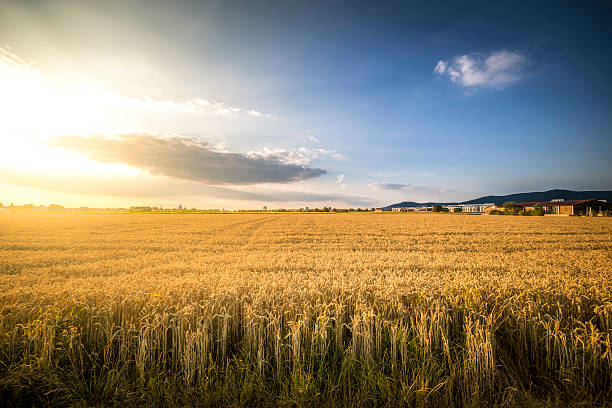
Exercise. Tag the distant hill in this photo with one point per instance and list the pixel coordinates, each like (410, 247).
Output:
(406, 204)
(414, 204)
(522, 197)
(544, 196)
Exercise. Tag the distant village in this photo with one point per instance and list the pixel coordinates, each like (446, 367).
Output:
(553, 207)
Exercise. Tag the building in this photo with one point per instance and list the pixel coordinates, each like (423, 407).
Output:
(468, 207)
(493, 207)
(571, 207)
(411, 209)
(378, 210)
(561, 207)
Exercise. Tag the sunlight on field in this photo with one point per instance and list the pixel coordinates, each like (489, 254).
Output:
(359, 309)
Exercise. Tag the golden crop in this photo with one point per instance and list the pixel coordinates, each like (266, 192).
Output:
(298, 309)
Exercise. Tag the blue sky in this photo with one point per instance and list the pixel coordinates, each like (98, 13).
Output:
(287, 104)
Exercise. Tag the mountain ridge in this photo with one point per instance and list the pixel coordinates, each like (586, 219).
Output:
(521, 197)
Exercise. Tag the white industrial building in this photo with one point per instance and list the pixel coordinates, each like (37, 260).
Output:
(450, 207)
(468, 207)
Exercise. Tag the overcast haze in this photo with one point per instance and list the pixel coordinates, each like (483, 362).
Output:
(290, 104)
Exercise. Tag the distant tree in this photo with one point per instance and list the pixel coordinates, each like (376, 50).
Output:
(458, 209)
(510, 208)
(538, 210)
(436, 208)
(496, 212)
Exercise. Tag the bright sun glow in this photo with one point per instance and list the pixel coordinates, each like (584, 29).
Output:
(35, 109)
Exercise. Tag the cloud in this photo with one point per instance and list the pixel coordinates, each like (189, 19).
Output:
(313, 139)
(190, 159)
(496, 70)
(11, 61)
(383, 186)
(302, 156)
(340, 181)
(153, 188)
(388, 186)
(440, 67)
(196, 106)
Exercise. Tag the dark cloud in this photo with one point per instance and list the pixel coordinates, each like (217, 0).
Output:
(187, 158)
(160, 187)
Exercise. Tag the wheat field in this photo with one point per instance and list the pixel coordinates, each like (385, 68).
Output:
(416, 310)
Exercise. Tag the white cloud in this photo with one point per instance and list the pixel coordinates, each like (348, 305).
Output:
(496, 70)
(440, 67)
(313, 139)
(340, 179)
(200, 106)
(302, 156)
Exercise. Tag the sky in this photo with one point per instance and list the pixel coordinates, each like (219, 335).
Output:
(236, 104)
